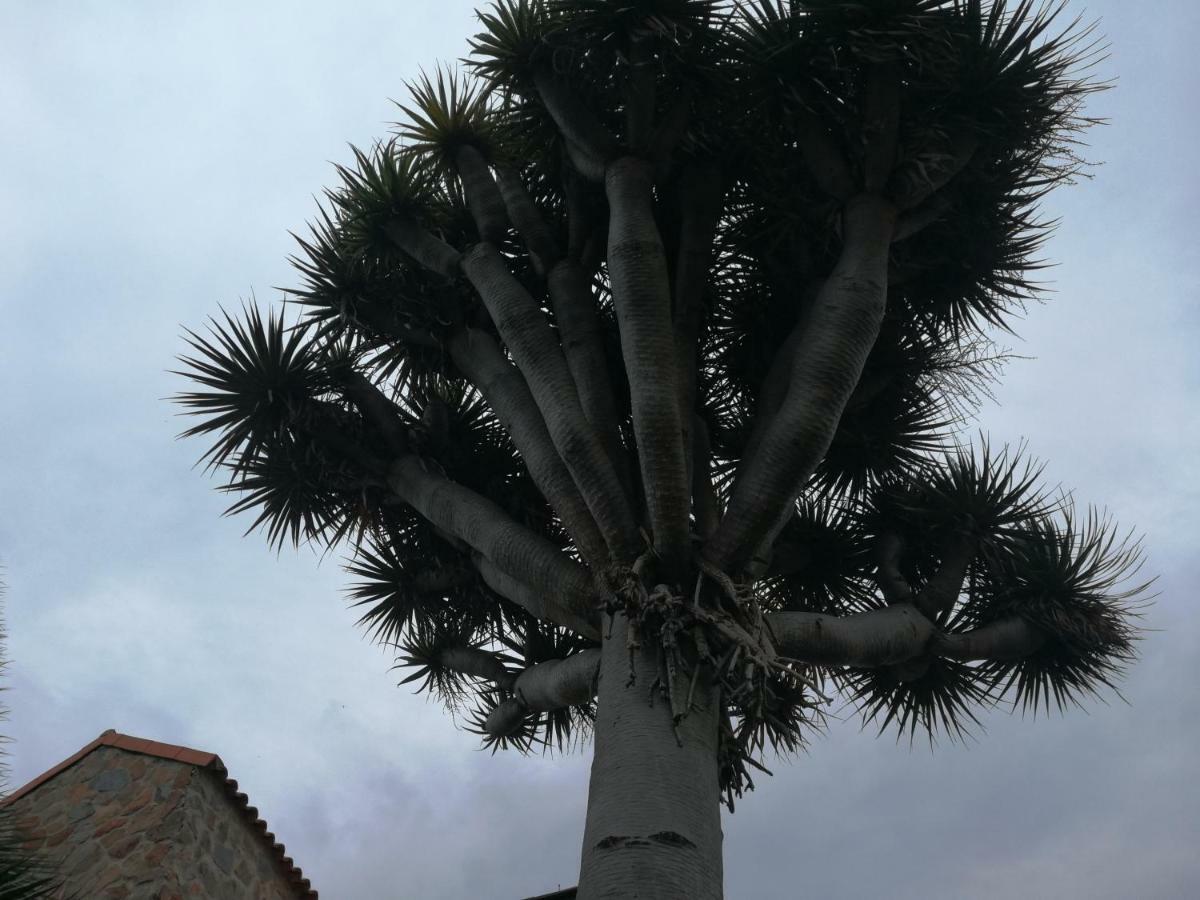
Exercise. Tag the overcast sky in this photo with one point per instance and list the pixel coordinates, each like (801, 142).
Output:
(155, 155)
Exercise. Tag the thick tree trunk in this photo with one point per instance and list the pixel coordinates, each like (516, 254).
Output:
(653, 821)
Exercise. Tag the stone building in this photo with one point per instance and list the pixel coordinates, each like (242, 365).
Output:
(131, 818)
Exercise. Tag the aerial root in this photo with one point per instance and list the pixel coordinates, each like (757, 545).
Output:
(723, 636)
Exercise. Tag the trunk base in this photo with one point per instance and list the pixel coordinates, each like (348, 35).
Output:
(654, 819)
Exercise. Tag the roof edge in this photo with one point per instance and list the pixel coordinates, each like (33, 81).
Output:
(190, 757)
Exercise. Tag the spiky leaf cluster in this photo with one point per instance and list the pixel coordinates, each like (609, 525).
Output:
(749, 93)
(1073, 581)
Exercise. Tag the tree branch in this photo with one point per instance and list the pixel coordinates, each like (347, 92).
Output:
(483, 197)
(829, 360)
(881, 124)
(885, 637)
(477, 663)
(881, 637)
(586, 138)
(894, 635)
(940, 593)
(913, 184)
(485, 527)
(431, 252)
(536, 351)
(641, 295)
(824, 159)
(914, 221)
(478, 357)
(701, 191)
(544, 687)
(528, 220)
(559, 682)
(640, 96)
(1005, 640)
(577, 612)
(379, 410)
(889, 546)
(582, 342)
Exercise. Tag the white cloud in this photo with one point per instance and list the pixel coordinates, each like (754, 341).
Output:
(162, 152)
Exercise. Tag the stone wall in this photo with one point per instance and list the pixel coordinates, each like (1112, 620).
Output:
(129, 826)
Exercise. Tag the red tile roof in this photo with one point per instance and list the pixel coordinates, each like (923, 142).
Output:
(189, 757)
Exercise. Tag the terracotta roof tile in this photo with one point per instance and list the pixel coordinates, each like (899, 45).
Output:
(193, 757)
(126, 742)
(155, 748)
(185, 756)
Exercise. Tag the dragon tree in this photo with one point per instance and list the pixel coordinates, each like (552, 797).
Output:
(634, 372)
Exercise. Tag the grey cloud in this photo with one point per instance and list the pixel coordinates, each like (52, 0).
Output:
(163, 151)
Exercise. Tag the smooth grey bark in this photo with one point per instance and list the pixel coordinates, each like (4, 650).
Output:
(551, 685)
(590, 144)
(557, 683)
(486, 528)
(1002, 641)
(940, 593)
(702, 192)
(537, 353)
(476, 662)
(579, 326)
(528, 220)
(880, 637)
(829, 360)
(502, 385)
(578, 612)
(428, 250)
(653, 822)
(641, 290)
(913, 185)
(483, 196)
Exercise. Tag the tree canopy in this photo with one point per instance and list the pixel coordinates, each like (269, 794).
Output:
(676, 313)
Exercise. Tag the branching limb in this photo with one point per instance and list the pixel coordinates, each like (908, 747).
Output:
(828, 362)
(701, 191)
(706, 508)
(590, 144)
(486, 528)
(536, 351)
(881, 125)
(528, 220)
(896, 635)
(825, 159)
(427, 249)
(641, 295)
(483, 197)
(502, 385)
(889, 547)
(940, 593)
(913, 184)
(639, 95)
(880, 637)
(582, 340)
(559, 682)
(379, 411)
(478, 663)
(545, 687)
(578, 612)
(915, 221)
(1006, 640)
